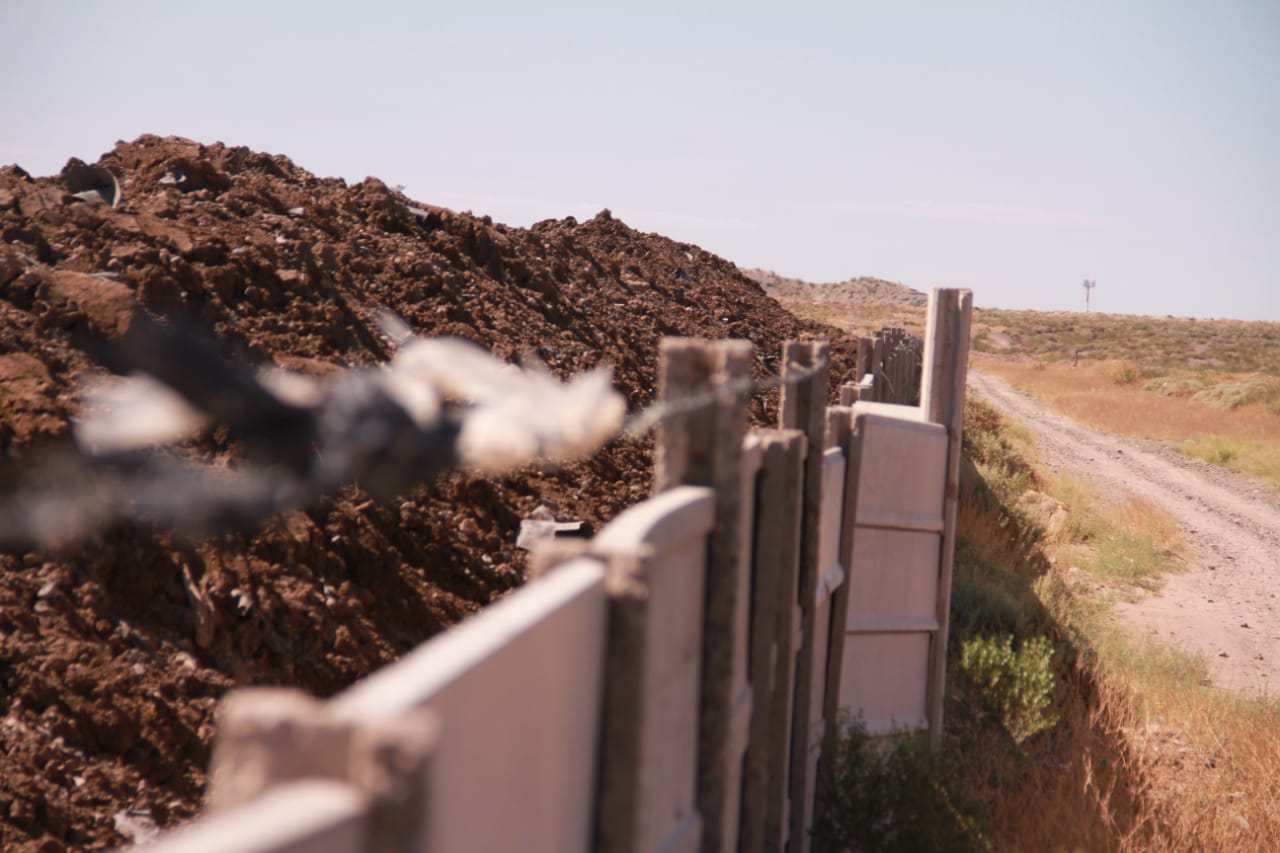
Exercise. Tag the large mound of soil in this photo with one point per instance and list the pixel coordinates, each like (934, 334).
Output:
(114, 652)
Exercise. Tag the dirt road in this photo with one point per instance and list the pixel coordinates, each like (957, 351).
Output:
(1226, 606)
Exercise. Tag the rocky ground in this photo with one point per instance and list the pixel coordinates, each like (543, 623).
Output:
(114, 651)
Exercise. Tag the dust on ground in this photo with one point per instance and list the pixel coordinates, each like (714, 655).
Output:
(1226, 605)
(114, 652)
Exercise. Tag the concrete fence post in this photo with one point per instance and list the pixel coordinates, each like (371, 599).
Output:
(804, 395)
(877, 368)
(704, 448)
(840, 434)
(779, 506)
(865, 348)
(269, 737)
(946, 362)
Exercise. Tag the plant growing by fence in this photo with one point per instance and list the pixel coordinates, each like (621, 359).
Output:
(1017, 685)
(890, 795)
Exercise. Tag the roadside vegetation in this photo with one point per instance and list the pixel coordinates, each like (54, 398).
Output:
(1207, 388)
(1063, 732)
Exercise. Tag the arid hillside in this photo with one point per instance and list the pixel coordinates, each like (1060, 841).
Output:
(114, 651)
(855, 291)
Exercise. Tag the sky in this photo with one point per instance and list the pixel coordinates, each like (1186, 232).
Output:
(1013, 148)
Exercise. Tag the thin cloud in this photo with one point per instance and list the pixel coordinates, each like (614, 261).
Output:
(990, 214)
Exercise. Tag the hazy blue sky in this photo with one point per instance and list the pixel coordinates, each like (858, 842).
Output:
(1014, 148)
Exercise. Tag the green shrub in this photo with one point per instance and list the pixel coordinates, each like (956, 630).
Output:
(889, 794)
(1016, 686)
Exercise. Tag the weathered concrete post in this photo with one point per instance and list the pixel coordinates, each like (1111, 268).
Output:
(703, 447)
(268, 737)
(946, 364)
(865, 348)
(804, 395)
(877, 368)
(779, 505)
(840, 434)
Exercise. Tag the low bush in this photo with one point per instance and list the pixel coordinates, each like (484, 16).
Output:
(1017, 685)
(1127, 373)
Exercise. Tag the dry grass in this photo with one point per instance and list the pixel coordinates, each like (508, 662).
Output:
(1127, 543)
(1145, 756)
(1159, 342)
(1211, 759)
(1246, 437)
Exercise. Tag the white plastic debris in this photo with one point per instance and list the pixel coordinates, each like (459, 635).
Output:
(137, 825)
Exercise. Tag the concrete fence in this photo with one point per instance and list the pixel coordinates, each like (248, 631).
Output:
(667, 685)
(887, 371)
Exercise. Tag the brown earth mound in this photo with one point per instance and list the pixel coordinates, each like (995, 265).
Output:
(114, 652)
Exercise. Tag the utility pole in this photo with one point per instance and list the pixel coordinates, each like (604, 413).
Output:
(1088, 285)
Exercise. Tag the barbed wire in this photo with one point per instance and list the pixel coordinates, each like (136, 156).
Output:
(665, 410)
(439, 405)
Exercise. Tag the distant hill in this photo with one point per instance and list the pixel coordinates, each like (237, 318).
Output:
(862, 290)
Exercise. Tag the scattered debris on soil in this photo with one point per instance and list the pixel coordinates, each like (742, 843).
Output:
(113, 652)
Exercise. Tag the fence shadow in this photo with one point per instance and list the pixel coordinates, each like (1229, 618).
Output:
(1076, 784)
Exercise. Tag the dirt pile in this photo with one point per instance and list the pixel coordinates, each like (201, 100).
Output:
(862, 290)
(113, 653)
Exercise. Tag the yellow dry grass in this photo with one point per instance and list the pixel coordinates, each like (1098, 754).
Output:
(1246, 438)
(1210, 760)
(1164, 342)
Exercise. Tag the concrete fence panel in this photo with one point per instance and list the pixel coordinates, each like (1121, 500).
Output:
(517, 690)
(308, 816)
(657, 555)
(894, 572)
